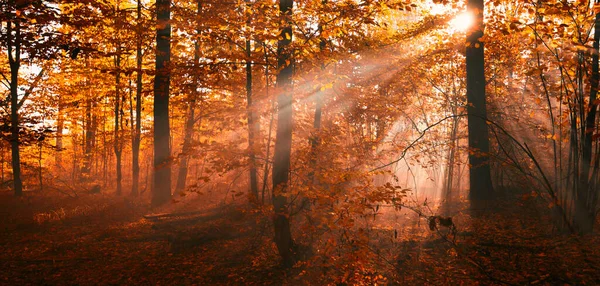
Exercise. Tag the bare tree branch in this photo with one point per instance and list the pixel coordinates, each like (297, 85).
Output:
(31, 87)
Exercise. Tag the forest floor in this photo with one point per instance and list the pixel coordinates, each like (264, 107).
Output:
(108, 240)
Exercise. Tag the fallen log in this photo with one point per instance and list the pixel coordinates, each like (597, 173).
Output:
(170, 215)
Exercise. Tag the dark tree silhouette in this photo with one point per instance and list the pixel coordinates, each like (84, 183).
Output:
(283, 139)
(479, 172)
(162, 131)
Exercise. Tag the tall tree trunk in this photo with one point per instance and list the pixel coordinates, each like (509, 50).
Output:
(75, 143)
(40, 139)
(59, 132)
(449, 176)
(162, 133)
(269, 136)
(2, 162)
(132, 121)
(315, 140)
(89, 135)
(94, 140)
(479, 173)
(187, 146)
(190, 120)
(105, 148)
(15, 64)
(252, 120)
(135, 147)
(586, 211)
(89, 140)
(117, 142)
(283, 139)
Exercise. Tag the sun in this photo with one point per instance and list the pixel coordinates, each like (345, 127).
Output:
(462, 22)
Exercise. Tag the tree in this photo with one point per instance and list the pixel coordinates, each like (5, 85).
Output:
(162, 79)
(586, 196)
(314, 140)
(479, 172)
(137, 131)
(23, 21)
(90, 128)
(190, 117)
(253, 125)
(283, 139)
(117, 144)
(14, 42)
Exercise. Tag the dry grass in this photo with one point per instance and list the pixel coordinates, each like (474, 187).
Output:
(62, 213)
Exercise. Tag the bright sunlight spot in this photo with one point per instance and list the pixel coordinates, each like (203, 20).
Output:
(462, 22)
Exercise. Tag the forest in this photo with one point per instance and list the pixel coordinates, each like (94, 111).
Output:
(299, 142)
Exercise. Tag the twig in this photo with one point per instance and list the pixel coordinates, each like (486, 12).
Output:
(414, 142)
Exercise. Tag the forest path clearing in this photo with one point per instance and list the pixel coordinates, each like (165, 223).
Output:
(109, 242)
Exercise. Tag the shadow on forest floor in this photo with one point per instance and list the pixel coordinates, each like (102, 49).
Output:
(100, 239)
(106, 240)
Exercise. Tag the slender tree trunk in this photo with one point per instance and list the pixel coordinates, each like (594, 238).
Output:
(252, 120)
(132, 122)
(283, 140)
(105, 148)
(162, 132)
(269, 136)
(59, 132)
(187, 146)
(449, 177)
(252, 128)
(94, 139)
(75, 143)
(190, 120)
(40, 164)
(15, 64)
(89, 141)
(89, 133)
(40, 139)
(2, 162)
(315, 140)
(117, 143)
(586, 211)
(576, 165)
(135, 147)
(479, 173)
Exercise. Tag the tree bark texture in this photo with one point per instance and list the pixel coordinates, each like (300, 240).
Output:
(162, 81)
(117, 143)
(283, 139)
(135, 147)
(587, 194)
(252, 125)
(191, 117)
(479, 172)
(59, 132)
(15, 64)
